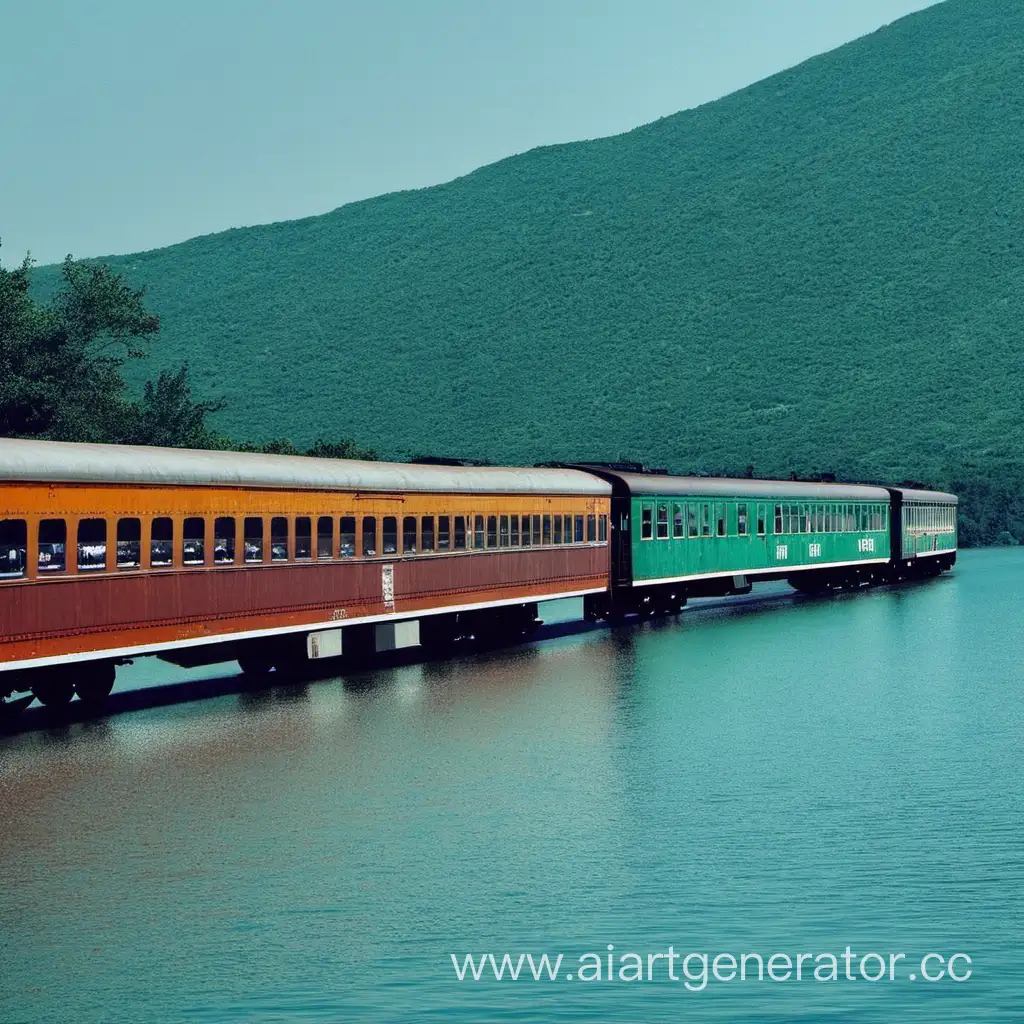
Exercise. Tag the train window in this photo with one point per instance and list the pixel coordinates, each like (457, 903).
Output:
(503, 531)
(13, 547)
(369, 535)
(558, 529)
(53, 536)
(691, 520)
(223, 540)
(526, 531)
(92, 544)
(492, 531)
(478, 531)
(409, 535)
(427, 533)
(514, 529)
(325, 537)
(720, 516)
(741, 520)
(646, 522)
(389, 535)
(303, 537)
(444, 537)
(252, 539)
(193, 541)
(129, 543)
(663, 522)
(805, 522)
(579, 530)
(460, 533)
(602, 528)
(546, 538)
(279, 546)
(161, 542)
(677, 520)
(705, 520)
(347, 536)
(591, 529)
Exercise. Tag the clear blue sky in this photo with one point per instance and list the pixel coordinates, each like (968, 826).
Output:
(129, 124)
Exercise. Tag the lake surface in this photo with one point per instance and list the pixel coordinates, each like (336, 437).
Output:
(780, 775)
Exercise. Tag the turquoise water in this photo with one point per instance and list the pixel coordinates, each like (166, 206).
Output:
(778, 775)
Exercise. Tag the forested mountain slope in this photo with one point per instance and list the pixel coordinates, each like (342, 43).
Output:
(822, 271)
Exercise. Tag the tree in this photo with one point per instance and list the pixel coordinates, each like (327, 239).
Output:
(168, 416)
(321, 449)
(60, 363)
(344, 449)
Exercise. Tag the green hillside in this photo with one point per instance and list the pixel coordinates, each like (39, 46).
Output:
(822, 271)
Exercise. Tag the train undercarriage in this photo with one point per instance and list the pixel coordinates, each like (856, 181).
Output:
(55, 686)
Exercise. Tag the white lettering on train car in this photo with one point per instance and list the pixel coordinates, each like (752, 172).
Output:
(866, 544)
(387, 584)
(781, 551)
(814, 551)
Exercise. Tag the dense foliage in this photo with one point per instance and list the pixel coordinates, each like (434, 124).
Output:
(824, 271)
(61, 367)
(61, 364)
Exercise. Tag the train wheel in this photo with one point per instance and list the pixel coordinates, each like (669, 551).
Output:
(54, 692)
(94, 682)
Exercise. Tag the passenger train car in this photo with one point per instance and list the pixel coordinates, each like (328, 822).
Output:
(108, 553)
(674, 537)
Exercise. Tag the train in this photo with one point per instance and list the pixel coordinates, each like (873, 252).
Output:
(109, 553)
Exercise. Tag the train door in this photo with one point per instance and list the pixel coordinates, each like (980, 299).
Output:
(621, 541)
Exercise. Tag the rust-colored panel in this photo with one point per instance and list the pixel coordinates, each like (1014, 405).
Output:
(106, 611)
(76, 612)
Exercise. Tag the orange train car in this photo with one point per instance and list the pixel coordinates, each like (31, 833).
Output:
(112, 552)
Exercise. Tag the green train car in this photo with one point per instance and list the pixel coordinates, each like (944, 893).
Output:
(924, 533)
(679, 537)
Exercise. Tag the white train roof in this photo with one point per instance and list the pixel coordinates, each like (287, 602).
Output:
(931, 497)
(726, 487)
(66, 462)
